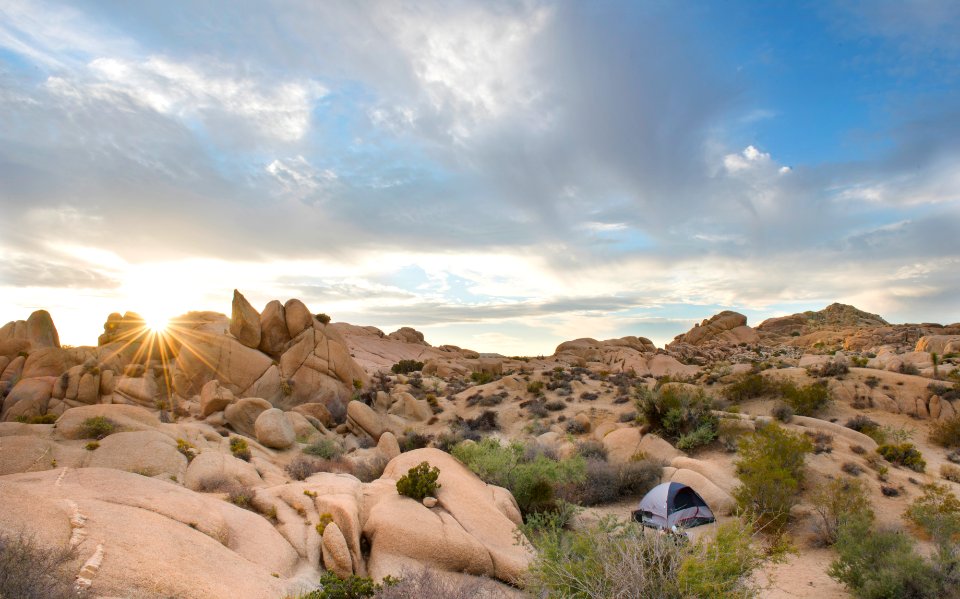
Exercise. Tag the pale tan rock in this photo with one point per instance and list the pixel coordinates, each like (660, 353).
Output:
(622, 444)
(137, 390)
(30, 453)
(429, 502)
(720, 475)
(388, 445)
(336, 554)
(219, 356)
(154, 534)
(149, 453)
(408, 335)
(363, 420)
(469, 503)
(242, 415)
(28, 398)
(126, 418)
(656, 448)
(12, 372)
(48, 361)
(214, 397)
(315, 410)
(212, 465)
(411, 408)
(302, 429)
(274, 335)
(244, 321)
(297, 316)
(940, 344)
(41, 332)
(88, 388)
(274, 430)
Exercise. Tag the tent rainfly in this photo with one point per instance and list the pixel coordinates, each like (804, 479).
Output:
(673, 504)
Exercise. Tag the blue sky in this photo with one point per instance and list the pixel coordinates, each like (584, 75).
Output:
(501, 175)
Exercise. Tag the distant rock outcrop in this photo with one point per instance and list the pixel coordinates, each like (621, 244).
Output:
(725, 328)
(244, 321)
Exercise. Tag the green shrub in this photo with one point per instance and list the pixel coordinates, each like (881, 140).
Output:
(771, 470)
(679, 415)
(937, 512)
(187, 449)
(241, 496)
(592, 450)
(325, 520)
(747, 387)
(481, 378)
(882, 564)
(867, 426)
(411, 440)
(30, 571)
(352, 587)
(43, 419)
(323, 318)
(535, 387)
(946, 433)
(806, 400)
(904, 454)
(327, 449)
(837, 501)
(782, 412)
(239, 448)
(419, 482)
(406, 367)
(526, 471)
(92, 445)
(614, 559)
(604, 482)
(97, 427)
(950, 472)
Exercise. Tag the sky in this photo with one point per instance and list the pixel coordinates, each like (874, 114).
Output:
(502, 176)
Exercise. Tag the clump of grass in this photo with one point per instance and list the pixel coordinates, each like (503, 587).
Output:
(325, 519)
(327, 449)
(97, 427)
(187, 449)
(92, 445)
(239, 448)
(903, 454)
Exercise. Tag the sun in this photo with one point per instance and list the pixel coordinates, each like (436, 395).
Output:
(156, 323)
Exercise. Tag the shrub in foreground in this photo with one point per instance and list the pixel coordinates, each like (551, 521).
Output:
(620, 560)
(429, 583)
(835, 502)
(682, 416)
(946, 433)
(805, 400)
(903, 454)
(771, 468)
(97, 427)
(29, 571)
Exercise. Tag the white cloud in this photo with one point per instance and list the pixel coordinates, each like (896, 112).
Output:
(299, 178)
(749, 158)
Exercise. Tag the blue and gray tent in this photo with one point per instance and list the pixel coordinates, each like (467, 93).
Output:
(673, 504)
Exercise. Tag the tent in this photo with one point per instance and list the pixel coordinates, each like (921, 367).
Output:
(673, 504)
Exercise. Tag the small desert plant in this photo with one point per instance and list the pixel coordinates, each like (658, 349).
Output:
(30, 571)
(771, 471)
(406, 367)
(831, 368)
(903, 454)
(302, 466)
(863, 424)
(369, 470)
(323, 318)
(805, 400)
(413, 440)
(782, 412)
(481, 378)
(908, 369)
(239, 448)
(835, 502)
(97, 427)
(950, 472)
(605, 482)
(555, 405)
(41, 419)
(325, 519)
(535, 387)
(327, 449)
(241, 496)
(92, 445)
(187, 449)
(946, 433)
(351, 587)
(577, 427)
(592, 450)
(419, 482)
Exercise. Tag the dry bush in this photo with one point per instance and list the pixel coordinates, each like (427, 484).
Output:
(369, 470)
(429, 583)
(302, 466)
(29, 571)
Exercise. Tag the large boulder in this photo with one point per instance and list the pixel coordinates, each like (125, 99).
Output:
(622, 444)
(146, 535)
(336, 553)
(212, 468)
(244, 321)
(726, 327)
(242, 415)
(274, 430)
(148, 453)
(125, 418)
(49, 361)
(297, 316)
(317, 367)
(408, 335)
(212, 355)
(214, 397)
(939, 344)
(28, 398)
(468, 531)
(274, 334)
(364, 421)
(720, 502)
(41, 332)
